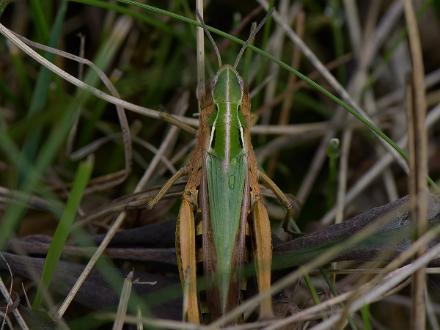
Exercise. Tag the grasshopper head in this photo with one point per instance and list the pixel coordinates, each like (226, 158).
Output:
(227, 86)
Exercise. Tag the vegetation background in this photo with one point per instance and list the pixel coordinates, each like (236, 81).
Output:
(76, 169)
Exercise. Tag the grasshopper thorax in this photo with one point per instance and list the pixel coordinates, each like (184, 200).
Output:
(227, 86)
(227, 122)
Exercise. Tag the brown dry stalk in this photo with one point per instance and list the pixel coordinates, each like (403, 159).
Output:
(416, 109)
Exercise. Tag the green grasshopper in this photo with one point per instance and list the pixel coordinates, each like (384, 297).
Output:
(223, 195)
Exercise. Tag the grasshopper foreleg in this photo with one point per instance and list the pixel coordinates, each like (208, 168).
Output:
(167, 186)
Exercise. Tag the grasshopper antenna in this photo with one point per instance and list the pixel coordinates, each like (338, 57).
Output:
(254, 31)
(211, 39)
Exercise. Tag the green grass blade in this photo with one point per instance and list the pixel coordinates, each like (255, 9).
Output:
(311, 288)
(127, 11)
(39, 97)
(56, 247)
(263, 64)
(334, 293)
(42, 86)
(14, 212)
(333, 153)
(40, 19)
(22, 76)
(3, 5)
(104, 57)
(366, 317)
(338, 37)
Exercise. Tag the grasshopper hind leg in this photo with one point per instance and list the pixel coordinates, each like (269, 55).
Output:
(262, 242)
(186, 257)
(185, 243)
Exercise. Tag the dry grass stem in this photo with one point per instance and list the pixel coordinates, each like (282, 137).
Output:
(155, 323)
(432, 118)
(418, 147)
(327, 75)
(125, 130)
(276, 45)
(79, 83)
(6, 295)
(139, 325)
(181, 107)
(288, 101)
(123, 302)
(385, 280)
(90, 264)
(392, 280)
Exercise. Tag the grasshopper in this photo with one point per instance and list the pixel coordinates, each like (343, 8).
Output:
(223, 196)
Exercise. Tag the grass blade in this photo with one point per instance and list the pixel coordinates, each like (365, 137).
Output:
(82, 177)
(123, 302)
(40, 19)
(39, 97)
